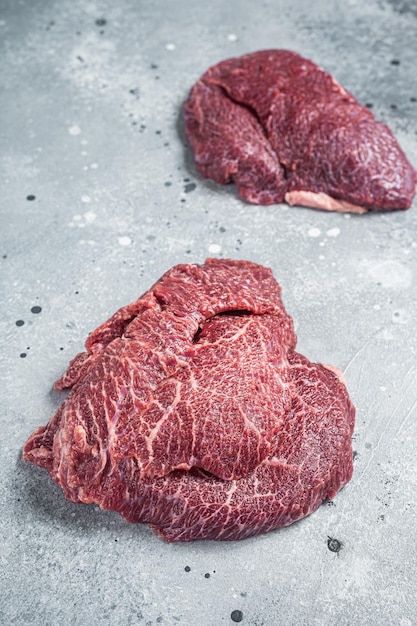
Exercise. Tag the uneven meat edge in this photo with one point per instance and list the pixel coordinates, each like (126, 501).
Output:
(145, 492)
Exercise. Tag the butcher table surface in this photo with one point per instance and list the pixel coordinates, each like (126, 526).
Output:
(99, 197)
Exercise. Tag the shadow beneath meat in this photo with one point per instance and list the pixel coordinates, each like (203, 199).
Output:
(39, 500)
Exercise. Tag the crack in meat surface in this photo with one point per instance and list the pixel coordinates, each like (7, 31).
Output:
(281, 128)
(191, 411)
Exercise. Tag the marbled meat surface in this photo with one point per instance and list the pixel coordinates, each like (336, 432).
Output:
(281, 128)
(191, 411)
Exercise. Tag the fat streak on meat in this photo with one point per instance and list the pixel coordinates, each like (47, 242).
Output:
(281, 128)
(191, 411)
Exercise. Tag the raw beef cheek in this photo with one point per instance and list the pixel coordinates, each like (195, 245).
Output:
(191, 411)
(281, 128)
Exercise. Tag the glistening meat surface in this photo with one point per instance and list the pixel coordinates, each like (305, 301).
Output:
(191, 411)
(282, 129)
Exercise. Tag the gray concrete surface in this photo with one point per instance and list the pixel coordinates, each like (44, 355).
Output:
(90, 129)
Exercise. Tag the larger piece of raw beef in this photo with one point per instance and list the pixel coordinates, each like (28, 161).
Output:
(281, 128)
(191, 411)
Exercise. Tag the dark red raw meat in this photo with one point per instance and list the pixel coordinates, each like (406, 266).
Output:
(281, 128)
(191, 411)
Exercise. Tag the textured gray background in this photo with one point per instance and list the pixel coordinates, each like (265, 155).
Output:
(90, 126)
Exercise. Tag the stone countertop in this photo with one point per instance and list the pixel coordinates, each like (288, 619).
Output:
(99, 198)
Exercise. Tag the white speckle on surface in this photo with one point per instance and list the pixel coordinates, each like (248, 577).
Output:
(214, 248)
(86, 199)
(89, 217)
(124, 241)
(232, 37)
(322, 244)
(74, 130)
(170, 46)
(333, 232)
(94, 166)
(377, 307)
(390, 274)
(84, 153)
(347, 216)
(387, 334)
(77, 217)
(322, 257)
(382, 388)
(83, 142)
(314, 231)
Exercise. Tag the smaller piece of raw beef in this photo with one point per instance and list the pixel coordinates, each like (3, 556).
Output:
(191, 411)
(281, 128)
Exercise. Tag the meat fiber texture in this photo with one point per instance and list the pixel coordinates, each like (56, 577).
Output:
(282, 129)
(191, 411)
